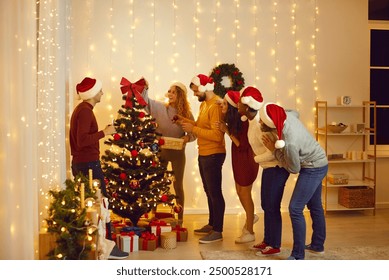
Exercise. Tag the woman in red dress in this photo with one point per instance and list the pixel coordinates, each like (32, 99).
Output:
(244, 168)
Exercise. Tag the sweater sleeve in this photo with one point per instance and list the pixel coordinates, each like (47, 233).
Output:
(84, 137)
(211, 133)
(289, 158)
(192, 136)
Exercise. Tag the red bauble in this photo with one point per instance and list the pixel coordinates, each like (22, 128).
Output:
(116, 137)
(142, 115)
(161, 141)
(123, 176)
(153, 164)
(134, 153)
(177, 208)
(164, 198)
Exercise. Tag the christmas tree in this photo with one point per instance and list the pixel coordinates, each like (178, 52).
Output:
(68, 220)
(137, 180)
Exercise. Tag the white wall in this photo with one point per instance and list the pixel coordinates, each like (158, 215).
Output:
(295, 52)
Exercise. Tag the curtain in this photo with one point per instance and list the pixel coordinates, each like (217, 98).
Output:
(33, 113)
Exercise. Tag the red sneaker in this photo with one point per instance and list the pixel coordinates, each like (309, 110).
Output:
(259, 246)
(269, 250)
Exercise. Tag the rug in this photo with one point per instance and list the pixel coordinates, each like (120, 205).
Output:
(341, 253)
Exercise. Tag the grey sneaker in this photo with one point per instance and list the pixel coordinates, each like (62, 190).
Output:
(117, 254)
(213, 236)
(312, 250)
(204, 230)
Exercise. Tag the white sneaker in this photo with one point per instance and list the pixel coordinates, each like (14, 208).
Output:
(245, 237)
(256, 219)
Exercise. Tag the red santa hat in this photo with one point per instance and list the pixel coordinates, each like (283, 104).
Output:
(252, 97)
(88, 88)
(204, 83)
(232, 98)
(274, 116)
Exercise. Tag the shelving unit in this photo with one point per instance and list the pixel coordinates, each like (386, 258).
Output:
(350, 153)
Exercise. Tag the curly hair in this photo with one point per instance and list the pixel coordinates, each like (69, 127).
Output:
(233, 120)
(182, 105)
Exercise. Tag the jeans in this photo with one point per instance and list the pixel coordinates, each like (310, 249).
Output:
(308, 192)
(272, 190)
(97, 172)
(211, 175)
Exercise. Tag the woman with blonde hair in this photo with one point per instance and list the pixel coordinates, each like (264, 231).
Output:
(164, 113)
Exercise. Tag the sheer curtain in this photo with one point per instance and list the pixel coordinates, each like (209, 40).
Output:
(32, 118)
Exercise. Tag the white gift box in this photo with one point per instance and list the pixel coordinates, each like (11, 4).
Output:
(127, 243)
(157, 230)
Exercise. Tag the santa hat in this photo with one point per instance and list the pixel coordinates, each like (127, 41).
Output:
(88, 88)
(274, 116)
(181, 86)
(252, 97)
(204, 83)
(232, 98)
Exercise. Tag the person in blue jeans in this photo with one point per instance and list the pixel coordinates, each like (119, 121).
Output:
(274, 176)
(297, 150)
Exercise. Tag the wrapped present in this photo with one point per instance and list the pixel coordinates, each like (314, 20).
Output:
(170, 221)
(128, 242)
(158, 227)
(137, 230)
(148, 241)
(168, 240)
(118, 226)
(181, 233)
(47, 242)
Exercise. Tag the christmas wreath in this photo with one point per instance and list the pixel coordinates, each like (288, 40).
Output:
(230, 72)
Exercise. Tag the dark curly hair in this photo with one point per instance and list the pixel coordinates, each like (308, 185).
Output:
(233, 121)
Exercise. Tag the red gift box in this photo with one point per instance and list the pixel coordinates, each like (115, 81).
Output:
(182, 233)
(148, 241)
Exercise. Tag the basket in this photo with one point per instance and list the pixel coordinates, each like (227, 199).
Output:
(338, 179)
(168, 240)
(173, 143)
(356, 197)
(336, 128)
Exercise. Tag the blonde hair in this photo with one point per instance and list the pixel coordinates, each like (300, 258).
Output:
(182, 105)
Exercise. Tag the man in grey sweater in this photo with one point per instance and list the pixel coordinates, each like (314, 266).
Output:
(297, 150)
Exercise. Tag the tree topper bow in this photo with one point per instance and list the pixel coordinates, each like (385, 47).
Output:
(133, 89)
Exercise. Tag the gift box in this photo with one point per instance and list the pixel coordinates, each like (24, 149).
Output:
(181, 233)
(148, 241)
(157, 227)
(356, 197)
(137, 230)
(128, 242)
(168, 240)
(338, 178)
(172, 143)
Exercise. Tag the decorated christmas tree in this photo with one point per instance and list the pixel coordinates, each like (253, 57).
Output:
(68, 220)
(137, 180)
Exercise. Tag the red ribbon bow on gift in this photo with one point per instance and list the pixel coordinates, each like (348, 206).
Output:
(133, 89)
(147, 236)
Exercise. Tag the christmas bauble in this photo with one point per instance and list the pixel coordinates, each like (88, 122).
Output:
(123, 176)
(116, 137)
(177, 208)
(164, 198)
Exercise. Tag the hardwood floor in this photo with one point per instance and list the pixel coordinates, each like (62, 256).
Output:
(348, 228)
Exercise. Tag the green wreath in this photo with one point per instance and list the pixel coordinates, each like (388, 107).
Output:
(232, 73)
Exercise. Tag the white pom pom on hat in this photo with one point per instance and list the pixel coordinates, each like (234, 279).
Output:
(274, 116)
(252, 97)
(88, 88)
(203, 82)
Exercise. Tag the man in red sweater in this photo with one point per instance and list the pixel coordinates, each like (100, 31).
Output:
(84, 138)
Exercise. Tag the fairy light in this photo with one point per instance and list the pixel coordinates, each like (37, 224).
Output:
(275, 50)
(296, 53)
(237, 27)
(314, 57)
(256, 41)
(50, 129)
